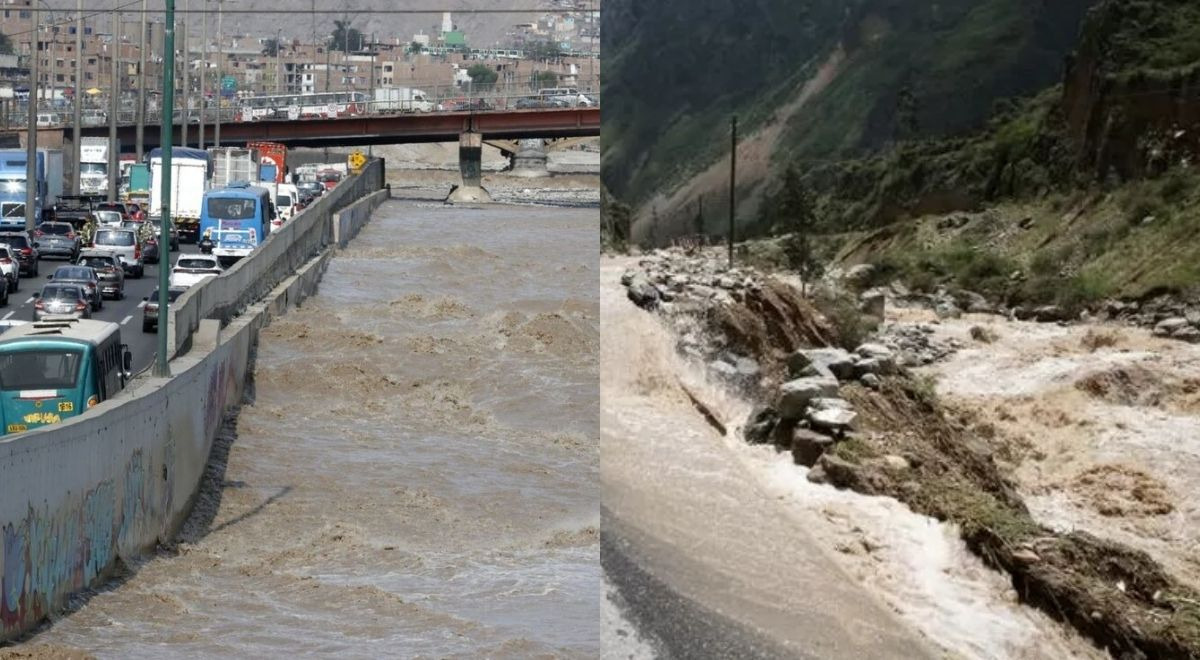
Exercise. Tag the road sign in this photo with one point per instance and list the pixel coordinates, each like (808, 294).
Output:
(356, 161)
(228, 86)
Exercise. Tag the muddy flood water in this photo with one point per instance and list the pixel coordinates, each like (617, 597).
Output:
(418, 472)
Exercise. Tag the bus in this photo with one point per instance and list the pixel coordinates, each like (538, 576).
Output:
(234, 220)
(55, 369)
(309, 105)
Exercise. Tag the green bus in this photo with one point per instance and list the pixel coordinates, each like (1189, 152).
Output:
(54, 369)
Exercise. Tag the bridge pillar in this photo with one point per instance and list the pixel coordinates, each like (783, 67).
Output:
(470, 163)
(530, 159)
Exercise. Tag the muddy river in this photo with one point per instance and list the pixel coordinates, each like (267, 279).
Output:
(418, 471)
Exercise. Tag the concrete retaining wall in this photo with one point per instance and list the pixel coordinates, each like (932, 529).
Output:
(349, 220)
(298, 240)
(115, 481)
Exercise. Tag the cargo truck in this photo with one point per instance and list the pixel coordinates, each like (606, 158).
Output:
(233, 164)
(272, 159)
(401, 99)
(48, 186)
(93, 166)
(191, 170)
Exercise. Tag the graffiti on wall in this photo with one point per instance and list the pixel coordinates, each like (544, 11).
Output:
(47, 555)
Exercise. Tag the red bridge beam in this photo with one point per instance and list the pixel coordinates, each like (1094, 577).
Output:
(392, 129)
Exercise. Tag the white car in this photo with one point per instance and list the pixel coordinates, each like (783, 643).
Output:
(191, 269)
(10, 267)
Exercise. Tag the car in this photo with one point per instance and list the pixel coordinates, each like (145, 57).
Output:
(530, 103)
(119, 207)
(26, 249)
(61, 299)
(150, 309)
(108, 269)
(125, 244)
(58, 239)
(156, 223)
(191, 269)
(10, 268)
(311, 187)
(471, 105)
(86, 277)
(109, 218)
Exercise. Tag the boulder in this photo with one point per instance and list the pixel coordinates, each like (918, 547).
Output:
(642, 292)
(946, 309)
(874, 350)
(1188, 334)
(746, 367)
(761, 425)
(723, 368)
(1168, 327)
(795, 395)
(873, 304)
(1026, 222)
(627, 277)
(858, 276)
(870, 380)
(974, 303)
(808, 445)
(1050, 314)
(835, 361)
(836, 420)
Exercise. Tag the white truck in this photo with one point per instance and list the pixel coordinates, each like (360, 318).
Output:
(190, 173)
(232, 164)
(401, 99)
(93, 166)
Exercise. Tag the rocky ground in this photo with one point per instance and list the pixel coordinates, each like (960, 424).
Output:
(865, 420)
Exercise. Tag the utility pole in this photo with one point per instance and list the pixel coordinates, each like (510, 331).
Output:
(220, 75)
(31, 182)
(278, 62)
(161, 368)
(141, 98)
(185, 114)
(732, 183)
(114, 163)
(203, 71)
(371, 92)
(53, 64)
(77, 97)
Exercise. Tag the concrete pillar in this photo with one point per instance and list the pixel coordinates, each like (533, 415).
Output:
(470, 163)
(530, 159)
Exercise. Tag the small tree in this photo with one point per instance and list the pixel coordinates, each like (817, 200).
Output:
(798, 216)
(416, 48)
(6, 47)
(545, 79)
(481, 74)
(271, 47)
(345, 38)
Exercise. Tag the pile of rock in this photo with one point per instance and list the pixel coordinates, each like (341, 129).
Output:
(669, 276)
(1167, 315)
(914, 345)
(809, 416)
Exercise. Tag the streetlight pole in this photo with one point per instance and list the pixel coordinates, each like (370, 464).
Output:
(77, 97)
(185, 114)
(203, 71)
(278, 62)
(31, 182)
(141, 97)
(220, 74)
(162, 369)
(114, 163)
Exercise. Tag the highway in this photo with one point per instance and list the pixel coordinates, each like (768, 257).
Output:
(127, 312)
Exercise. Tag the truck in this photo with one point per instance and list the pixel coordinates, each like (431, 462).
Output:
(49, 173)
(272, 161)
(401, 99)
(191, 170)
(125, 163)
(93, 166)
(232, 164)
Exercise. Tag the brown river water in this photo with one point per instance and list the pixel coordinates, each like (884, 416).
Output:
(417, 474)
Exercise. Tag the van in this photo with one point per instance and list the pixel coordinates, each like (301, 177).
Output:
(48, 119)
(125, 245)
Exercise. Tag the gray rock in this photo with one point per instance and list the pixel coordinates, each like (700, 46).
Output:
(1026, 222)
(1050, 314)
(871, 380)
(873, 304)
(642, 292)
(795, 395)
(874, 350)
(974, 303)
(895, 463)
(1188, 334)
(1169, 327)
(828, 403)
(761, 425)
(860, 274)
(808, 445)
(627, 277)
(837, 361)
(723, 368)
(880, 366)
(746, 367)
(947, 310)
(833, 419)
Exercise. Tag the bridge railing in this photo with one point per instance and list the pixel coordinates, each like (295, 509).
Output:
(285, 250)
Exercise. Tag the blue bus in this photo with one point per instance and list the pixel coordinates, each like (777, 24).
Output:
(54, 369)
(234, 220)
